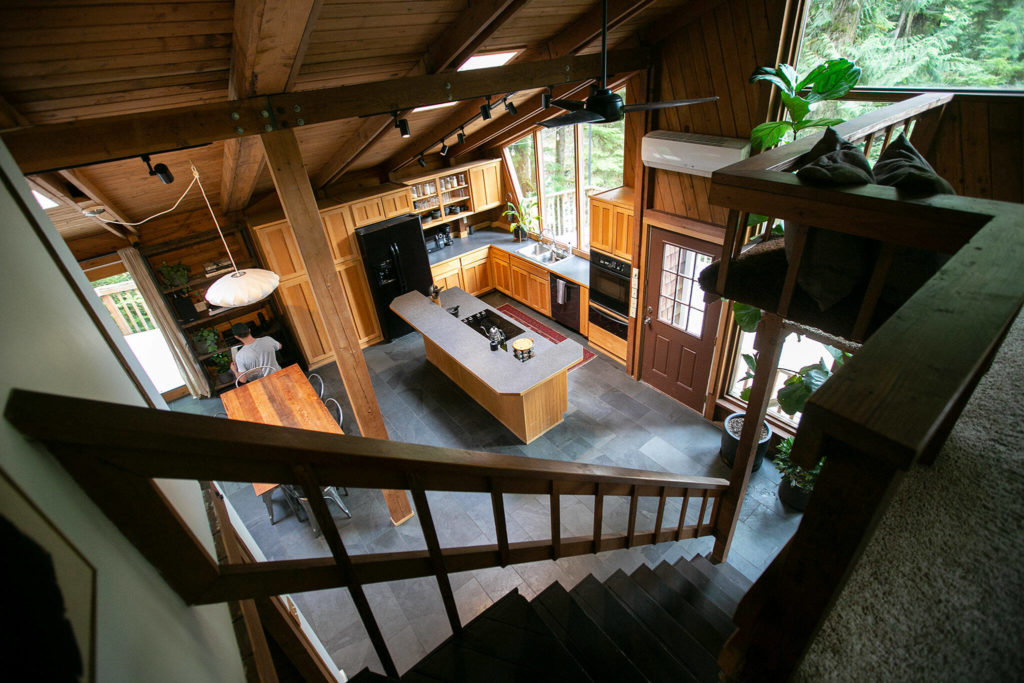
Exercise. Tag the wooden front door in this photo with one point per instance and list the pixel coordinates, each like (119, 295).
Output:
(679, 330)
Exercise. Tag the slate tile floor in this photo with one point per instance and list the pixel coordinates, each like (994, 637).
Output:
(612, 420)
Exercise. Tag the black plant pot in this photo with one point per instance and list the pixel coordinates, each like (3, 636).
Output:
(730, 443)
(793, 496)
(184, 309)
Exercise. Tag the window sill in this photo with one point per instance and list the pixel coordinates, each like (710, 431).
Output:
(730, 404)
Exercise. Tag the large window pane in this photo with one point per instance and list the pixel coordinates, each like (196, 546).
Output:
(558, 160)
(973, 43)
(601, 160)
(524, 172)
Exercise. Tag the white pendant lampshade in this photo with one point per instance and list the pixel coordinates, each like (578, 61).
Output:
(242, 287)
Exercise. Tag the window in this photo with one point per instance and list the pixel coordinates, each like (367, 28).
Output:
(574, 161)
(681, 300)
(925, 43)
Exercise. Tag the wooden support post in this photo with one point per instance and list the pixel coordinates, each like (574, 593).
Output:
(768, 343)
(296, 194)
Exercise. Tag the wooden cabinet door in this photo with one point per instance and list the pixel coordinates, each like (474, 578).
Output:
(501, 275)
(520, 289)
(279, 250)
(360, 301)
(297, 301)
(584, 311)
(476, 277)
(622, 240)
(447, 275)
(601, 225)
(485, 186)
(540, 294)
(338, 224)
(397, 203)
(367, 211)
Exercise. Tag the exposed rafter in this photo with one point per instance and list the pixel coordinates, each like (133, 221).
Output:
(54, 187)
(585, 31)
(88, 141)
(269, 41)
(472, 28)
(90, 190)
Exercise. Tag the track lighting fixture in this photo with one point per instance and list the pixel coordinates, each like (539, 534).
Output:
(160, 171)
(444, 149)
(462, 136)
(485, 110)
(401, 124)
(509, 107)
(422, 162)
(545, 99)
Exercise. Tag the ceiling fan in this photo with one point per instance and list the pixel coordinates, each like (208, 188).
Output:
(602, 105)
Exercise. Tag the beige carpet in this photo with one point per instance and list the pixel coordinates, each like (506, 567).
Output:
(939, 592)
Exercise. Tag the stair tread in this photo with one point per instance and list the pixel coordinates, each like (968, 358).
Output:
(724, 583)
(453, 662)
(632, 637)
(679, 609)
(694, 595)
(734, 575)
(599, 655)
(707, 586)
(367, 676)
(682, 645)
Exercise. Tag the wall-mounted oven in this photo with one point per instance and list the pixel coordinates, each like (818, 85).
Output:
(610, 282)
(608, 322)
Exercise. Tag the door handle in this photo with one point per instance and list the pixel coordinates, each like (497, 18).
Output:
(647, 320)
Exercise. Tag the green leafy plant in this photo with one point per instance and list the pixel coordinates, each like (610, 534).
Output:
(222, 361)
(175, 276)
(747, 317)
(798, 476)
(206, 339)
(793, 394)
(828, 81)
(522, 216)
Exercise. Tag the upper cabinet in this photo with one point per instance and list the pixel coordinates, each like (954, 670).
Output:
(485, 186)
(611, 222)
(443, 196)
(397, 203)
(339, 226)
(367, 211)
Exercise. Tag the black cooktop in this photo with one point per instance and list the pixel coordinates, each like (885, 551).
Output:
(483, 321)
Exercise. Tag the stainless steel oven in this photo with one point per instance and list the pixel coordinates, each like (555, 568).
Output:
(610, 282)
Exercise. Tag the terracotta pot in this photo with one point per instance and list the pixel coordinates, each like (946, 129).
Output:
(793, 496)
(730, 442)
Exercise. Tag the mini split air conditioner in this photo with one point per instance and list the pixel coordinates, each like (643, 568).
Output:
(691, 152)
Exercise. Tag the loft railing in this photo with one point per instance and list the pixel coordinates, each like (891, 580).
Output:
(891, 405)
(126, 306)
(115, 451)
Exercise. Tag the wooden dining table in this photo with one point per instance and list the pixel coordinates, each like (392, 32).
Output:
(286, 399)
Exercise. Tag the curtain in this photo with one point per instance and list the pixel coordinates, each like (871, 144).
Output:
(195, 377)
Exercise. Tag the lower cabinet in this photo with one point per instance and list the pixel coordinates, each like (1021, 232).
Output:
(360, 301)
(501, 274)
(476, 273)
(447, 275)
(531, 285)
(296, 298)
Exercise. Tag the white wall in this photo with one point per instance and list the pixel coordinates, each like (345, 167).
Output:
(144, 630)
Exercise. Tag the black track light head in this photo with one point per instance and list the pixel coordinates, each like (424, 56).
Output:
(422, 162)
(510, 108)
(160, 171)
(545, 99)
(485, 110)
(462, 136)
(403, 127)
(444, 149)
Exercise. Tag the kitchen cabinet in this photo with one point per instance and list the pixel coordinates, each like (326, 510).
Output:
(397, 203)
(501, 274)
(531, 285)
(584, 310)
(339, 226)
(447, 194)
(360, 301)
(611, 222)
(296, 297)
(476, 272)
(485, 186)
(448, 274)
(367, 211)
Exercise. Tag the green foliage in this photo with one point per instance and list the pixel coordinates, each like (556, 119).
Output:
(751, 364)
(175, 276)
(522, 215)
(113, 279)
(797, 389)
(827, 81)
(222, 361)
(936, 43)
(206, 339)
(798, 476)
(747, 317)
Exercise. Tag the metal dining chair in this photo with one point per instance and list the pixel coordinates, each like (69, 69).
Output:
(258, 372)
(330, 494)
(313, 375)
(327, 402)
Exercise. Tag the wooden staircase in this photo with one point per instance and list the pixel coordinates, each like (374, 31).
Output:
(663, 624)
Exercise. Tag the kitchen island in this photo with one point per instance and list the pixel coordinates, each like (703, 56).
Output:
(529, 397)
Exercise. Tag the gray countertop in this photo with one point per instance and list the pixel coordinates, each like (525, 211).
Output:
(498, 369)
(573, 268)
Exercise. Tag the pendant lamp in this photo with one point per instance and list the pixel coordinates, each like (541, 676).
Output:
(241, 287)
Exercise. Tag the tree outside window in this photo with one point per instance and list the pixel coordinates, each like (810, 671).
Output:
(558, 164)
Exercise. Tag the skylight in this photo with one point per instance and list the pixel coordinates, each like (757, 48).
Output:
(435, 106)
(44, 201)
(487, 61)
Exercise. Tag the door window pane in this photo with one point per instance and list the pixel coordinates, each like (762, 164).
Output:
(558, 160)
(681, 303)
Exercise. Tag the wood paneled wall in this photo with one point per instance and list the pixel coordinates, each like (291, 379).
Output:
(714, 55)
(979, 147)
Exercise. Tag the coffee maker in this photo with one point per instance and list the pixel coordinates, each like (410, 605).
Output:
(438, 238)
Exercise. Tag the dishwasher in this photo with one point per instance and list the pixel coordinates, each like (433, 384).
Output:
(565, 302)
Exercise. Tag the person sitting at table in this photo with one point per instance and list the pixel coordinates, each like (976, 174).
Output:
(255, 352)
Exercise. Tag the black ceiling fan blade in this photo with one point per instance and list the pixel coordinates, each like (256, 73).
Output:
(665, 105)
(572, 118)
(569, 105)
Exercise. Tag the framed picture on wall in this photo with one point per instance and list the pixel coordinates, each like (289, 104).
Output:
(49, 593)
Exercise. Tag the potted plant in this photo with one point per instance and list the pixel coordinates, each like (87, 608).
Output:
(521, 217)
(206, 340)
(797, 483)
(222, 361)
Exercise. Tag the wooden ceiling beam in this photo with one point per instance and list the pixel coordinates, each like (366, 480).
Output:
(472, 28)
(54, 187)
(270, 40)
(92, 192)
(583, 32)
(89, 141)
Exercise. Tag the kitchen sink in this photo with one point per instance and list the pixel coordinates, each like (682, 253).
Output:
(542, 253)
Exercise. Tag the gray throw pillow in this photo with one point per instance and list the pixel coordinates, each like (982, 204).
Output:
(833, 263)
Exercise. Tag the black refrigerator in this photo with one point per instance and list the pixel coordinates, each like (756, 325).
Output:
(395, 256)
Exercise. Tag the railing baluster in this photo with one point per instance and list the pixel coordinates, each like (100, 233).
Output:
(658, 518)
(888, 136)
(631, 523)
(728, 248)
(556, 522)
(498, 506)
(874, 290)
(682, 514)
(598, 517)
(703, 507)
(419, 499)
(789, 284)
(869, 140)
(318, 505)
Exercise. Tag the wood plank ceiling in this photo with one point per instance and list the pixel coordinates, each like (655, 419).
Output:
(69, 60)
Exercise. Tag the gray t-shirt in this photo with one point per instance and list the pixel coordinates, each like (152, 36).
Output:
(260, 352)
